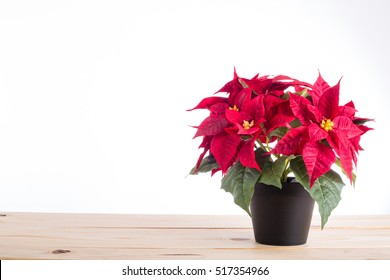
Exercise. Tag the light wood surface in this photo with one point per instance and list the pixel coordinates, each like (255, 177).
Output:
(112, 236)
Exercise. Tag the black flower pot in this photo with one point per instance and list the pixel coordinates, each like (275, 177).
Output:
(281, 216)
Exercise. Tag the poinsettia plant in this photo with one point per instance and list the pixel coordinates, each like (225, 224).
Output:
(268, 128)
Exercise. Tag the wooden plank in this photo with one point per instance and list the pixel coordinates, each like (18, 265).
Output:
(123, 220)
(111, 236)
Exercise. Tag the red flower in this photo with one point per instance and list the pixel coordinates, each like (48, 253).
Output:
(231, 130)
(277, 114)
(326, 126)
(213, 125)
(247, 120)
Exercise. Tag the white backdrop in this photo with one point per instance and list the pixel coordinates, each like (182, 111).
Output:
(93, 95)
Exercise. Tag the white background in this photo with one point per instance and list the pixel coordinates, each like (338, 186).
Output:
(93, 95)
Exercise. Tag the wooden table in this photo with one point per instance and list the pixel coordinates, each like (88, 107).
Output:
(112, 236)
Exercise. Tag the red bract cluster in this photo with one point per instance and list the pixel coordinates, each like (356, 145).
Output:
(282, 116)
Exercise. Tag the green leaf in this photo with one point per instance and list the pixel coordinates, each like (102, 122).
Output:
(303, 93)
(362, 121)
(208, 163)
(242, 83)
(297, 166)
(295, 123)
(326, 191)
(240, 182)
(279, 132)
(272, 173)
(262, 159)
(285, 96)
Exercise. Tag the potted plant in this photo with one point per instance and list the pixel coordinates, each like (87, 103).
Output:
(280, 144)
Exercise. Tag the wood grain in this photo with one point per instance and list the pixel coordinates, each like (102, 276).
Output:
(115, 236)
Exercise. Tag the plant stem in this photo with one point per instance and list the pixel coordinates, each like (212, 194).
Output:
(262, 146)
(267, 143)
(285, 174)
(286, 170)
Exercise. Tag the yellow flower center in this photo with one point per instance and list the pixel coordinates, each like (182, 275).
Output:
(246, 125)
(327, 125)
(234, 108)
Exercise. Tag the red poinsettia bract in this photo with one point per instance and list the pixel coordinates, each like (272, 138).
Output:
(327, 130)
(252, 109)
(256, 107)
